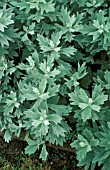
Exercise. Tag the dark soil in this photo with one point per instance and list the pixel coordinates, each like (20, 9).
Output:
(13, 154)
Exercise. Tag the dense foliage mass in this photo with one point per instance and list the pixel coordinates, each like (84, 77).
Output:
(55, 76)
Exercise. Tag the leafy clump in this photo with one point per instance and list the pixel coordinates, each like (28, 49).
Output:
(54, 76)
